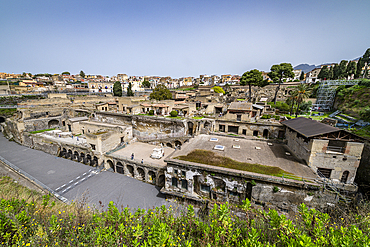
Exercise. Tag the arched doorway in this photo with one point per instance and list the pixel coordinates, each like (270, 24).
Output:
(63, 152)
(53, 123)
(190, 128)
(76, 156)
(141, 173)
(70, 155)
(88, 159)
(255, 133)
(344, 177)
(248, 191)
(82, 157)
(266, 133)
(95, 161)
(130, 169)
(161, 180)
(169, 145)
(119, 168)
(110, 163)
(177, 143)
(152, 177)
(2, 119)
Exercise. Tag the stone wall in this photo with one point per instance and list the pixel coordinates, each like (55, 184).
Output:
(199, 182)
(251, 129)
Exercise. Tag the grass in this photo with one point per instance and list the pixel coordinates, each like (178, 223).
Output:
(197, 117)
(40, 131)
(7, 111)
(30, 219)
(210, 158)
(175, 117)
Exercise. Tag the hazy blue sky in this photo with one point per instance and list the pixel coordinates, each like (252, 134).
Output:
(178, 38)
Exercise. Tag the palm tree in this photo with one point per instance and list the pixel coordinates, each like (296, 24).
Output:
(303, 92)
(293, 99)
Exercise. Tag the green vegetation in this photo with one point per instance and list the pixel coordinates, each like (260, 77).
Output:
(82, 74)
(151, 112)
(145, 84)
(218, 89)
(40, 131)
(7, 111)
(160, 92)
(173, 113)
(210, 158)
(240, 99)
(281, 106)
(197, 117)
(278, 73)
(117, 89)
(354, 100)
(129, 90)
(251, 78)
(29, 219)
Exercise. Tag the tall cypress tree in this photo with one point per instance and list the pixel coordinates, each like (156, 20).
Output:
(129, 90)
(360, 65)
(117, 89)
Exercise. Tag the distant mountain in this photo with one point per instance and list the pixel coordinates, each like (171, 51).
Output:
(305, 67)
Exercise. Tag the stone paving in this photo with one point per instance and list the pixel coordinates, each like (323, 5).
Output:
(250, 151)
(143, 151)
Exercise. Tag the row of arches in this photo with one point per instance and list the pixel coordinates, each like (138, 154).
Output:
(79, 157)
(141, 173)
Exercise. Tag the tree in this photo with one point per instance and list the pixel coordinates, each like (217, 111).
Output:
(117, 89)
(251, 78)
(66, 73)
(331, 73)
(173, 113)
(129, 90)
(82, 74)
(146, 84)
(343, 69)
(302, 93)
(278, 73)
(351, 68)
(360, 65)
(301, 77)
(160, 92)
(324, 73)
(292, 99)
(366, 60)
(218, 89)
(336, 72)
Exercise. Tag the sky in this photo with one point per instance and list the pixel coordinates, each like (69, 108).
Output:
(178, 38)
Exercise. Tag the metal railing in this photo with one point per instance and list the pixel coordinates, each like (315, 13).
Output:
(33, 179)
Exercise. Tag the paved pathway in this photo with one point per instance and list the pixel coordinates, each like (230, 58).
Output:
(105, 186)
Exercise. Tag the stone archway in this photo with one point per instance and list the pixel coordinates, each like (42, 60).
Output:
(161, 180)
(190, 128)
(266, 133)
(130, 169)
(141, 173)
(2, 119)
(76, 156)
(82, 157)
(177, 143)
(110, 163)
(63, 152)
(152, 177)
(95, 161)
(88, 159)
(169, 145)
(120, 168)
(70, 154)
(53, 123)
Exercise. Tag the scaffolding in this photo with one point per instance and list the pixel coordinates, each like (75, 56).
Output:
(326, 93)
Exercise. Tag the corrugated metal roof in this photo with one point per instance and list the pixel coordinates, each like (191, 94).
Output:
(308, 127)
(244, 106)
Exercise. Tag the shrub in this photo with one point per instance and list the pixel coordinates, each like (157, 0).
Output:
(266, 116)
(275, 189)
(151, 112)
(173, 113)
(253, 183)
(277, 117)
(218, 89)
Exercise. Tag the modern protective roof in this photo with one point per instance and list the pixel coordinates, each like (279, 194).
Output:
(308, 127)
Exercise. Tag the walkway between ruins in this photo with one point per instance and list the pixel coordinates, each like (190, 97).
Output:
(105, 186)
